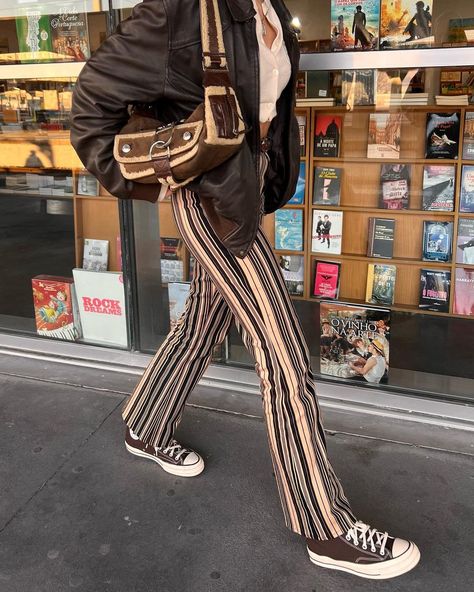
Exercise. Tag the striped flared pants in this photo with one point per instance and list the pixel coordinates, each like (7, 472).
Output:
(252, 293)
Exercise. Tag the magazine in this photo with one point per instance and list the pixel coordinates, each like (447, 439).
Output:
(327, 232)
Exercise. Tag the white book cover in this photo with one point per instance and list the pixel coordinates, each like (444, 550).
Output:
(326, 234)
(96, 254)
(101, 302)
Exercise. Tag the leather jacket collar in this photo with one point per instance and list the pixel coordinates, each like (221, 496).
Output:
(241, 10)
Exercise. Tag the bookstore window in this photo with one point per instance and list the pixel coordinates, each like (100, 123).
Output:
(60, 233)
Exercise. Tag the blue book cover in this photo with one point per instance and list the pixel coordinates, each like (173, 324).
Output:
(289, 230)
(298, 197)
(437, 239)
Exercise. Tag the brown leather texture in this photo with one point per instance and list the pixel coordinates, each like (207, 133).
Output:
(149, 449)
(343, 550)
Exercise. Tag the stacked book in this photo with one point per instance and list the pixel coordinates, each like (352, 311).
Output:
(452, 100)
(316, 102)
(398, 99)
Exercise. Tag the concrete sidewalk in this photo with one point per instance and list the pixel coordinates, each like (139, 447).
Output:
(78, 512)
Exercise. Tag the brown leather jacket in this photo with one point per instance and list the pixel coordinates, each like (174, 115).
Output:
(154, 58)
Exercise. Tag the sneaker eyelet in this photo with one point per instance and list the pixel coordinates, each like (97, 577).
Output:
(382, 553)
(348, 538)
(364, 547)
(356, 543)
(373, 549)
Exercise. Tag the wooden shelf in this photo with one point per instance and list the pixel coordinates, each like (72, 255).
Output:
(378, 260)
(384, 213)
(364, 160)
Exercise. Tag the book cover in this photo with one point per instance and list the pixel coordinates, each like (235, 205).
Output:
(438, 187)
(326, 279)
(468, 139)
(55, 306)
(381, 284)
(302, 128)
(177, 295)
(406, 24)
(394, 186)
(380, 237)
(434, 289)
(442, 135)
(355, 341)
(327, 186)
(355, 24)
(437, 240)
(171, 262)
(70, 35)
(289, 229)
(34, 37)
(327, 135)
(101, 301)
(465, 241)
(327, 232)
(292, 267)
(358, 87)
(464, 291)
(467, 189)
(298, 197)
(96, 254)
(318, 84)
(384, 135)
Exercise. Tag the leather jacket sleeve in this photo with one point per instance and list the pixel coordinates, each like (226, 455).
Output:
(129, 67)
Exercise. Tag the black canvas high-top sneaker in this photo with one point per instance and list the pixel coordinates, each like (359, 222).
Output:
(365, 552)
(174, 458)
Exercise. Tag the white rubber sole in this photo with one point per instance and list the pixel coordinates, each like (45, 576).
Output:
(380, 571)
(181, 471)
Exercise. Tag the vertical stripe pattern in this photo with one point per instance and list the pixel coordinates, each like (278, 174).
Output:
(252, 293)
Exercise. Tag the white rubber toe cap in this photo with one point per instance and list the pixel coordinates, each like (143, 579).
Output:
(400, 546)
(191, 459)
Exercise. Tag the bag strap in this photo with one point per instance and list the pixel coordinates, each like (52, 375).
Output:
(212, 38)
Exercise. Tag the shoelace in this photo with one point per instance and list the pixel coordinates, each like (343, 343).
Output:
(172, 448)
(361, 532)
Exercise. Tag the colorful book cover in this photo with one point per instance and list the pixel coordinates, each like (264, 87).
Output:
(70, 35)
(358, 87)
(394, 186)
(34, 37)
(355, 24)
(177, 295)
(289, 229)
(437, 241)
(55, 305)
(434, 289)
(327, 186)
(468, 139)
(380, 238)
(381, 284)
(442, 135)
(326, 279)
(467, 189)
(298, 197)
(327, 232)
(464, 291)
(465, 241)
(438, 187)
(384, 135)
(172, 265)
(355, 341)
(96, 254)
(406, 24)
(101, 302)
(327, 135)
(292, 267)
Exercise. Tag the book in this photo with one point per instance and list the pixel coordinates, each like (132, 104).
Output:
(381, 284)
(298, 196)
(465, 241)
(326, 279)
(438, 187)
(358, 87)
(87, 184)
(355, 24)
(289, 229)
(95, 254)
(292, 267)
(355, 341)
(327, 135)
(464, 291)
(468, 138)
(33, 33)
(394, 186)
(177, 295)
(442, 135)
(302, 128)
(434, 289)
(437, 241)
(327, 186)
(101, 302)
(318, 84)
(381, 234)
(406, 24)
(327, 232)
(384, 135)
(467, 189)
(171, 260)
(55, 305)
(70, 35)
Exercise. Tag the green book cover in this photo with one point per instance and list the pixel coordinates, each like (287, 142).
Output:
(34, 36)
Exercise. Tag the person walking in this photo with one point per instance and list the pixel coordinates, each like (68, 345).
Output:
(154, 59)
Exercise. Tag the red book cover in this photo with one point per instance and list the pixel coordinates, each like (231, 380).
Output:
(54, 303)
(464, 291)
(326, 280)
(327, 135)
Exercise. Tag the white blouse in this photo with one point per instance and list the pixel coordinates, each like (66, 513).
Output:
(275, 66)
